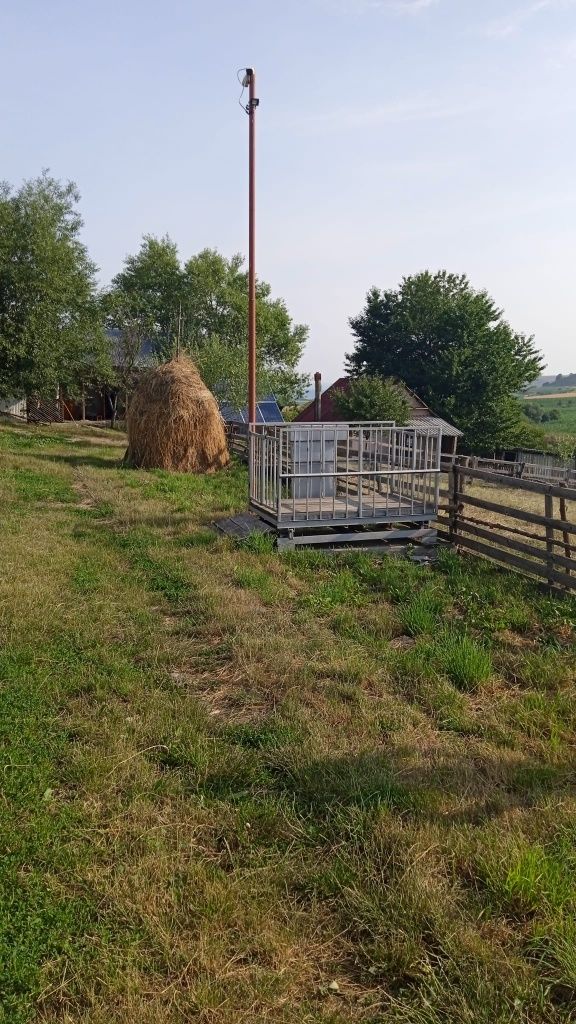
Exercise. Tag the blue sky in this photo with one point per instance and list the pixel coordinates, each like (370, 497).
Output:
(393, 136)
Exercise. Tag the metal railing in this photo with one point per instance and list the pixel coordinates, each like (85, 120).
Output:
(350, 473)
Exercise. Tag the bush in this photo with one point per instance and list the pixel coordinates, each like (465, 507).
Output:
(373, 398)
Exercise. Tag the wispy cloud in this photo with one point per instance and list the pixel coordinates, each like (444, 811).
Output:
(396, 112)
(513, 22)
(405, 6)
(394, 6)
(563, 54)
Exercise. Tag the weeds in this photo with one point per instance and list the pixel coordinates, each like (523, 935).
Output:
(258, 543)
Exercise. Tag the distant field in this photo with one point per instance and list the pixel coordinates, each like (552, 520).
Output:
(565, 405)
(546, 395)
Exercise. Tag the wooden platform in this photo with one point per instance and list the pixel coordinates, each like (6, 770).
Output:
(378, 508)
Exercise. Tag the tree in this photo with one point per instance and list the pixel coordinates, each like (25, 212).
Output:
(150, 288)
(532, 412)
(202, 306)
(224, 369)
(564, 447)
(451, 345)
(50, 326)
(124, 314)
(372, 397)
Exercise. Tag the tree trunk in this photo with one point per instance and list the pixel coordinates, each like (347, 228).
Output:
(113, 399)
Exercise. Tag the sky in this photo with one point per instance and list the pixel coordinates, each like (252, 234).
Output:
(394, 136)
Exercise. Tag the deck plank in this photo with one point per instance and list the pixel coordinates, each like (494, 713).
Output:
(323, 509)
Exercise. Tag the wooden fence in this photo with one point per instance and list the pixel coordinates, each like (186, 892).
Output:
(237, 436)
(537, 543)
(521, 470)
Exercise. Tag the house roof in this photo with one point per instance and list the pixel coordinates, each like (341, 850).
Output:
(435, 423)
(145, 356)
(421, 414)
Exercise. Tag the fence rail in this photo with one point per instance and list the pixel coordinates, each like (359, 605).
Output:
(500, 531)
(237, 436)
(522, 470)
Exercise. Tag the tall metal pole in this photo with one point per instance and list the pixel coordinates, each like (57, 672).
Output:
(252, 104)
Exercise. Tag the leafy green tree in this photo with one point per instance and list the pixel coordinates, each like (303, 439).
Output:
(531, 411)
(124, 312)
(453, 347)
(202, 307)
(149, 289)
(372, 397)
(50, 325)
(564, 447)
(224, 369)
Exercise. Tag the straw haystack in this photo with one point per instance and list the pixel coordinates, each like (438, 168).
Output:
(174, 422)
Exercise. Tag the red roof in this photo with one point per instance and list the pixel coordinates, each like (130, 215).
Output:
(419, 411)
(329, 411)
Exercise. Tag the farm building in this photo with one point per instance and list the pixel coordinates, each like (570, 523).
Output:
(323, 409)
(538, 464)
(13, 407)
(99, 402)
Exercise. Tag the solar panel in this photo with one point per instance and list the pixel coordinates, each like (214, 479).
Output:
(267, 411)
(270, 411)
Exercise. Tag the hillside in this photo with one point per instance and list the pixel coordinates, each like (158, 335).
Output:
(555, 414)
(548, 384)
(239, 787)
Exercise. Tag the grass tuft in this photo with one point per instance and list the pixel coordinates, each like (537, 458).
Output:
(421, 613)
(466, 663)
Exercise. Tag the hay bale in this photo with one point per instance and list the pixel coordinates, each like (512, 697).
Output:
(174, 422)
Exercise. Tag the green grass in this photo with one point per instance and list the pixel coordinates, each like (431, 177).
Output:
(264, 583)
(530, 879)
(238, 785)
(566, 409)
(423, 612)
(464, 660)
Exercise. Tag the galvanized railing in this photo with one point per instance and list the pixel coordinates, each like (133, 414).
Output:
(350, 473)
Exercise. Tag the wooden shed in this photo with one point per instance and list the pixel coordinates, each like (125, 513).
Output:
(324, 409)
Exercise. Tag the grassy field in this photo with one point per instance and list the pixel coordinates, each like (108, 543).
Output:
(238, 787)
(551, 393)
(566, 409)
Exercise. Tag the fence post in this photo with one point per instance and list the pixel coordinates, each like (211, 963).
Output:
(453, 528)
(464, 460)
(549, 513)
(565, 535)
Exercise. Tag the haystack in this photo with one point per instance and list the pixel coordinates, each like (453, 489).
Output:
(174, 422)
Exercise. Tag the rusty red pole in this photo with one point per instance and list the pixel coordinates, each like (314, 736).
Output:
(252, 104)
